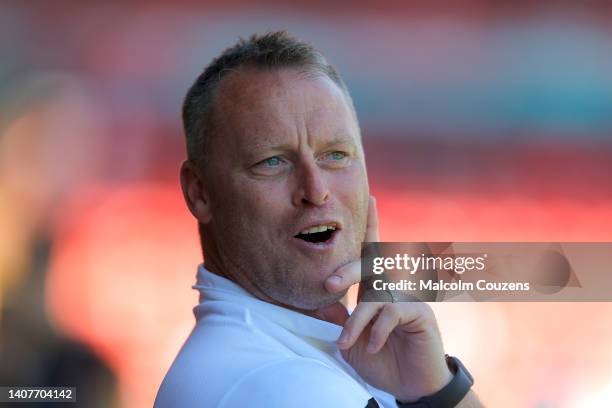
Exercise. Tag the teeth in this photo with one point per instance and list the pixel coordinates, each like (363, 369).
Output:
(318, 228)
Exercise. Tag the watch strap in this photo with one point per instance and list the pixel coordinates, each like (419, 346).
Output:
(451, 394)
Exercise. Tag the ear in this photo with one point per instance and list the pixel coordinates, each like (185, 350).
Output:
(194, 192)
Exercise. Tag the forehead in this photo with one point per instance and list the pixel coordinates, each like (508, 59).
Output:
(276, 104)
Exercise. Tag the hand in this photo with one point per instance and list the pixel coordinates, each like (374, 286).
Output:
(395, 347)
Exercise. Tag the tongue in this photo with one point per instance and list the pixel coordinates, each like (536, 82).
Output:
(316, 236)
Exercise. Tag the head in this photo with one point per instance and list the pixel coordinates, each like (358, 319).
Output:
(275, 172)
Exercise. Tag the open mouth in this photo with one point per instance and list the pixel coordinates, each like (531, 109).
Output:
(317, 234)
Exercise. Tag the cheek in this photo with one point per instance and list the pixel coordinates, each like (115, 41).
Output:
(255, 200)
(354, 193)
(353, 188)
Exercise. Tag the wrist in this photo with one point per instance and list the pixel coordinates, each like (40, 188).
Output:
(450, 394)
(429, 384)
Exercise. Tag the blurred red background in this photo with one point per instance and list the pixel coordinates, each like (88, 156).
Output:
(482, 121)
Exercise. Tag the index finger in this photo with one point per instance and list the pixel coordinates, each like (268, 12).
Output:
(372, 223)
(350, 274)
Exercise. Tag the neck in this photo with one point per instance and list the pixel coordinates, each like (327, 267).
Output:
(335, 313)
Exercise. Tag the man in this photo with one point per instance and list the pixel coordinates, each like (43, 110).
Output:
(276, 177)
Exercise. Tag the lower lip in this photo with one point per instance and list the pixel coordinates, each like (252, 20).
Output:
(317, 246)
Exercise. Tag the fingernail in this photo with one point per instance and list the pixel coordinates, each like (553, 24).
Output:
(334, 279)
(371, 347)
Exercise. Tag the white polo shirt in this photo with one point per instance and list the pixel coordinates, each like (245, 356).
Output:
(244, 352)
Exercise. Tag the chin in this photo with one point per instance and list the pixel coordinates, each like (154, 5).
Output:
(316, 300)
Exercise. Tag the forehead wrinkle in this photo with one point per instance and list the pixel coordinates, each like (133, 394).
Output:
(272, 90)
(339, 129)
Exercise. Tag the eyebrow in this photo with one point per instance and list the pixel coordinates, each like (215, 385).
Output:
(340, 140)
(256, 149)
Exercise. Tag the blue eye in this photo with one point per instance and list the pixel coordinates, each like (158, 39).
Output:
(273, 161)
(335, 159)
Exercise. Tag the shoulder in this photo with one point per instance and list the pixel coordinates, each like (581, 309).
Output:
(237, 361)
(214, 357)
(288, 382)
(226, 377)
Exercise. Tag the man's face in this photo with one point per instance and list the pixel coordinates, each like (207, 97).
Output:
(285, 162)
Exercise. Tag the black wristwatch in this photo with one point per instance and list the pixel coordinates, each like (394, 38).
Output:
(451, 394)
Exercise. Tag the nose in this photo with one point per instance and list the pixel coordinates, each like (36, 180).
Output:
(312, 188)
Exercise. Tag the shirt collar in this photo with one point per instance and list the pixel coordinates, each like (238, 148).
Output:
(214, 287)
